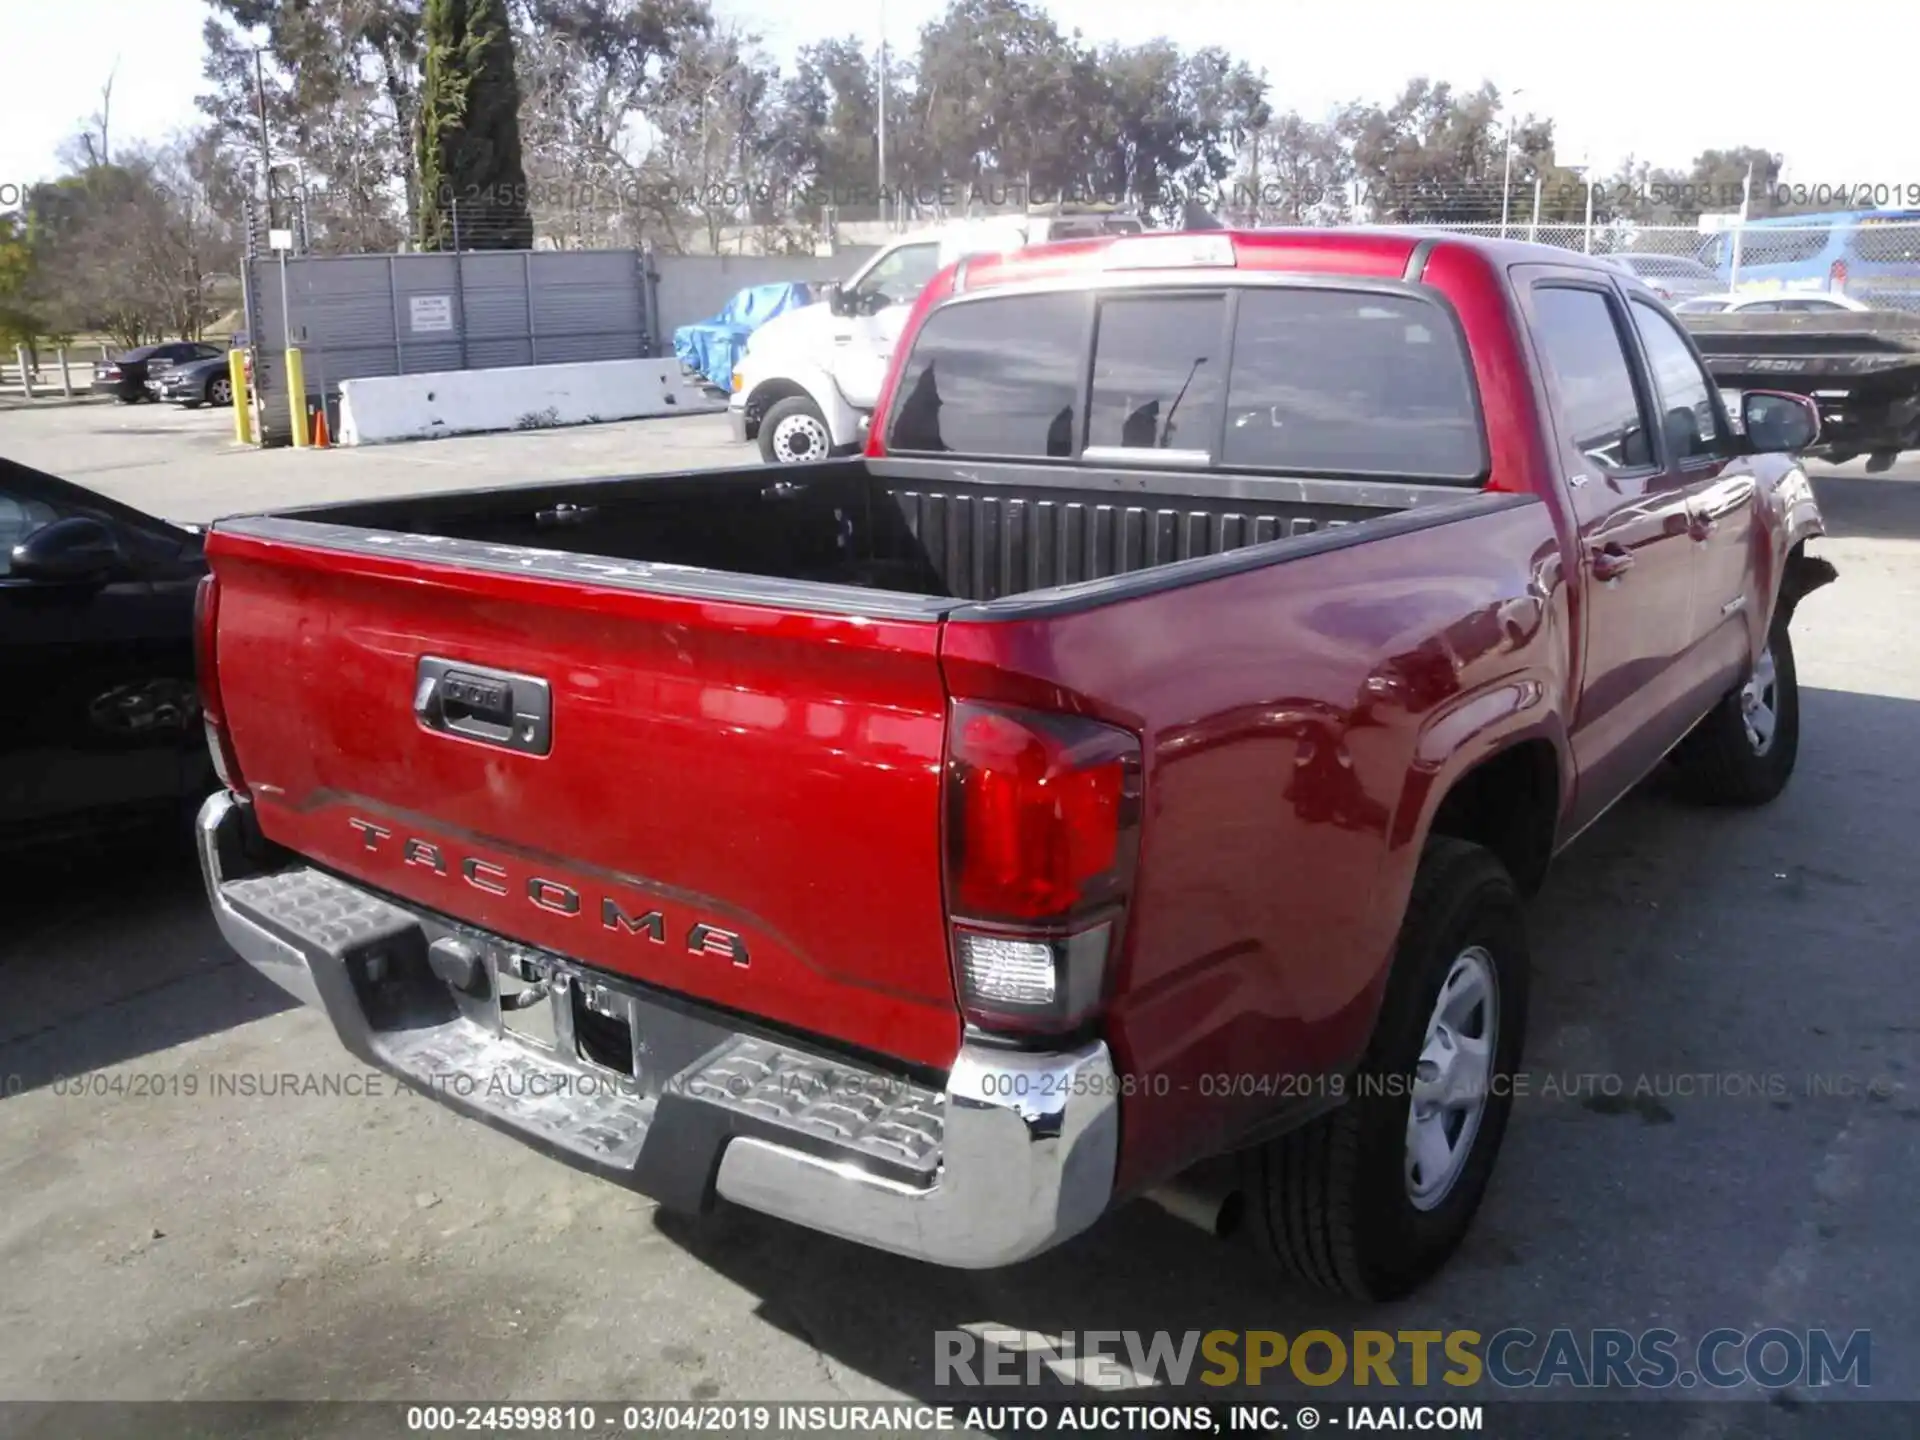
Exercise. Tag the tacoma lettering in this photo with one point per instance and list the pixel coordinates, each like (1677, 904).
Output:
(554, 896)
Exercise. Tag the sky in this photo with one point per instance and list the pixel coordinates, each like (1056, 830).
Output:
(1661, 80)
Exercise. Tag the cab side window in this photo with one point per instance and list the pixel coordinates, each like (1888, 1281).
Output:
(1599, 405)
(1689, 418)
(902, 275)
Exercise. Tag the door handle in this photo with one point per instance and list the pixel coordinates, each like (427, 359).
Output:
(1611, 562)
(1700, 523)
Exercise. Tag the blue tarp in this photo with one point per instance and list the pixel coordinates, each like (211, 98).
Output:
(712, 347)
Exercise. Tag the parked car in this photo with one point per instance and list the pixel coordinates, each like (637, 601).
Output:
(1731, 303)
(1136, 760)
(1671, 277)
(96, 641)
(195, 383)
(125, 376)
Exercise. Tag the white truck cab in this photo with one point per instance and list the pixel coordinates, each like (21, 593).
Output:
(809, 378)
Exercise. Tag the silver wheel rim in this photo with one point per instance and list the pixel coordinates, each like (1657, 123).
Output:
(798, 438)
(1760, 703)
(1452, 1077)
(222, 392)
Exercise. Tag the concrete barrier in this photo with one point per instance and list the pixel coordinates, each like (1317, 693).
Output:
(523, 397)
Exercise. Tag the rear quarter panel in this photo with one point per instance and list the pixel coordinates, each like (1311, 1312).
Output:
(1300, 723)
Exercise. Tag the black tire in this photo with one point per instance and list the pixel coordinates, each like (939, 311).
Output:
(219, 391)
(785, 422)
(190, 404)
(1332, 1203)
(126, 399)
(1721, 762)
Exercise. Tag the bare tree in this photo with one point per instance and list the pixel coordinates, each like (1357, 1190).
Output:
(101, 122)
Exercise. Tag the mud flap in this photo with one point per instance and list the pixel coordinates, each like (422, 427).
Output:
(1804, 574)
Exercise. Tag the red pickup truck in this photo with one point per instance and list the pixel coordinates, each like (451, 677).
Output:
(1129, 770)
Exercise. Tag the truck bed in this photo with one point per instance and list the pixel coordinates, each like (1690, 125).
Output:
(933, 530)
(1861, 369)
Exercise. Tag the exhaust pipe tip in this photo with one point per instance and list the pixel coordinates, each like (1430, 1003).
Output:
(1209, 1199)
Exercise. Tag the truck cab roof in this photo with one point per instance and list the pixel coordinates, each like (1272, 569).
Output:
(1381, 251)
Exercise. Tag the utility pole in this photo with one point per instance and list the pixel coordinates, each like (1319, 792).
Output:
(1739, 227)
(1506, 180)
(266, 145)
(883, 112)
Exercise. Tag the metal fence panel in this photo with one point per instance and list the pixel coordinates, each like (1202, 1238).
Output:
(364, 315)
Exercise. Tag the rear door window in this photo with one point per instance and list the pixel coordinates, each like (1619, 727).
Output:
(993, 377)
(1599, 405)
(1349, 382)
(1159, 371)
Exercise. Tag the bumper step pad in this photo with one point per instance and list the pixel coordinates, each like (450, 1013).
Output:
(876, 1121)
(882, 1118)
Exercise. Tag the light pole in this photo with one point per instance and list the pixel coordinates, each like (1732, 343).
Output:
(1506, 178)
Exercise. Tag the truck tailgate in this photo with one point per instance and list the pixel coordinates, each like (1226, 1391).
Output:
(738, 802)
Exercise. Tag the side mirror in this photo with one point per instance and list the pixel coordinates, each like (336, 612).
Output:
(1778, 423)
(75, 549)
(835, 295)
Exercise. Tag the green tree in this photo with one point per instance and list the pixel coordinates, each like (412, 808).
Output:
(341, 81)
(18, 324)
(471, 176)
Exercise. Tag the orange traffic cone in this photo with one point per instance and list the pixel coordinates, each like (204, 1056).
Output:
(321, 439)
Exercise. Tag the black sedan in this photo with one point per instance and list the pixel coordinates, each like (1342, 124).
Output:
(125, 376)
(96, 642)
(196, 383)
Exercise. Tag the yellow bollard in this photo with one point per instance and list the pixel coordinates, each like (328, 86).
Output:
(242, 402)
(297, 398)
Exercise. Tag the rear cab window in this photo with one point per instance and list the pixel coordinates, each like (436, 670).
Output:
(1296, 378)
(994, 377)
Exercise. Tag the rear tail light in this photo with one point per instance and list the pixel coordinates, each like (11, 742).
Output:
(1042, 837)
(1837, 276)
(206, 616)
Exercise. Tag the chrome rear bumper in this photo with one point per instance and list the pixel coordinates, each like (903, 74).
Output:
(1013, 1156)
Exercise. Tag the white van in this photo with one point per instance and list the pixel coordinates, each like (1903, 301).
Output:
(811, 376)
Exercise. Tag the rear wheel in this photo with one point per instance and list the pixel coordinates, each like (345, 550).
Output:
(220, 391)
(1744, 751)
(794, 432)
(1371, 1199)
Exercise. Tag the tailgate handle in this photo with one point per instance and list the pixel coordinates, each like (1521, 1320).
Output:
(476, 702)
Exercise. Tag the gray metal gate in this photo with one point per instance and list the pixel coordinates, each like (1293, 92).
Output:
(357, 315)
